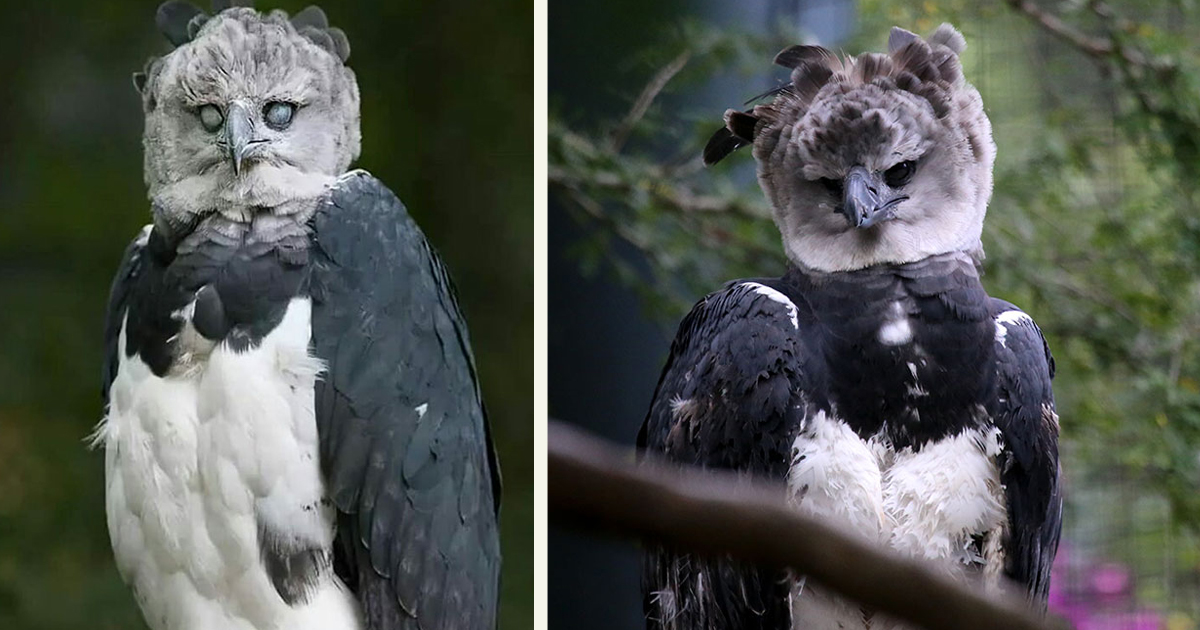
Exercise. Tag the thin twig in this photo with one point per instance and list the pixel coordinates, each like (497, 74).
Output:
(1094, 46)
(1098, 48)
(596, 485)
(662, 191)
(646, 98)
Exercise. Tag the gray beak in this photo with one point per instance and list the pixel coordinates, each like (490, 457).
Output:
(239, 134)
(862, 204)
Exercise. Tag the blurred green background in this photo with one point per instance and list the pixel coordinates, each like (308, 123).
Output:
(447, 124)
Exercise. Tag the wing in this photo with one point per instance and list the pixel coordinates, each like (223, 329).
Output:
(729, 397)
(405, 445)
(1024, 412)
(118, 301)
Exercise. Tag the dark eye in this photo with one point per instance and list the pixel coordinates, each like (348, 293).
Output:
(834, 186)
(211, 117)
(279, 115)
(899, 174)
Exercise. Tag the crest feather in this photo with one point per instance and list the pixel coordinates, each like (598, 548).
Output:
(739, 131)
(899, 38)
(871, 65)
(180, 22)
(313, 16)
(948, 36)
(928, 68)
(172, 20)
(808, 79)
(793, 56)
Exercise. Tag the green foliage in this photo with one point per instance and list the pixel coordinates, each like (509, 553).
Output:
(1094, 226)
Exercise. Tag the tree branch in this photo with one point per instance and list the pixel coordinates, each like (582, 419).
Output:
(598, 486)
(1098, 48)
(642, 104)
(666, 193)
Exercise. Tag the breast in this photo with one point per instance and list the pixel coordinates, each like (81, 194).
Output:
(941, 502)
(206, 464)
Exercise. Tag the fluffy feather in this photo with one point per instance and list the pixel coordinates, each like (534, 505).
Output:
(875, 111)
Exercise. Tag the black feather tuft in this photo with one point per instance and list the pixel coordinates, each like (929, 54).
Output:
(172, 19)
(808, 79)
(775, 91)
(721, 144)
(793, 56)
(743, 125)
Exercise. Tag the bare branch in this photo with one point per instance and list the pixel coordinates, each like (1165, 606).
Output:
(598, 486)
(1099, 48)
(662, 191)
(1094, 46)
(644, 100)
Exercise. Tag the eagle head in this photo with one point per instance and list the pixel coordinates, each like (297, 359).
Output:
(875, 159)
(249, 110)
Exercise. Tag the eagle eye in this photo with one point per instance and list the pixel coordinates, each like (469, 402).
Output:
(279, 114)
(900, 174)
(834, 186)
(211, 117)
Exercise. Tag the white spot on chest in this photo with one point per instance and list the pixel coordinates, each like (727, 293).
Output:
(195, 461)
(776, 296)
(896, 330)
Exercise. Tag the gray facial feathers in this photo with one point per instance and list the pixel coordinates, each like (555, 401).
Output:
(873, 112)
(242, 63)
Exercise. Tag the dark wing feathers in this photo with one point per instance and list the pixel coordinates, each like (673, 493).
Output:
(743, 343)
(1024, 412)
(404, 442)
(118, 301)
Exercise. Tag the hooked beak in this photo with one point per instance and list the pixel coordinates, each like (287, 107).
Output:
(239, 134)
(862, 204)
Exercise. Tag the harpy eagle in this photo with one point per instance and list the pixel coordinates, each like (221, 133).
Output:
(294, 433)
(876, 379)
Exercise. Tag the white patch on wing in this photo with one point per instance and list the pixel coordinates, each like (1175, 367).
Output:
(195, 460)
(776, 296)
(1006, 319)
(421, 410)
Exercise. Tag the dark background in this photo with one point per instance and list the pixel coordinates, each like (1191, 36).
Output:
(446, 121)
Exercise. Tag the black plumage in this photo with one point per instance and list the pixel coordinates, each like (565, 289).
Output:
(747, 369)
(417, 492)
(405, 448)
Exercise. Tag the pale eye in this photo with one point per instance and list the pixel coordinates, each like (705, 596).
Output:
(211, 117)
(279, 115)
